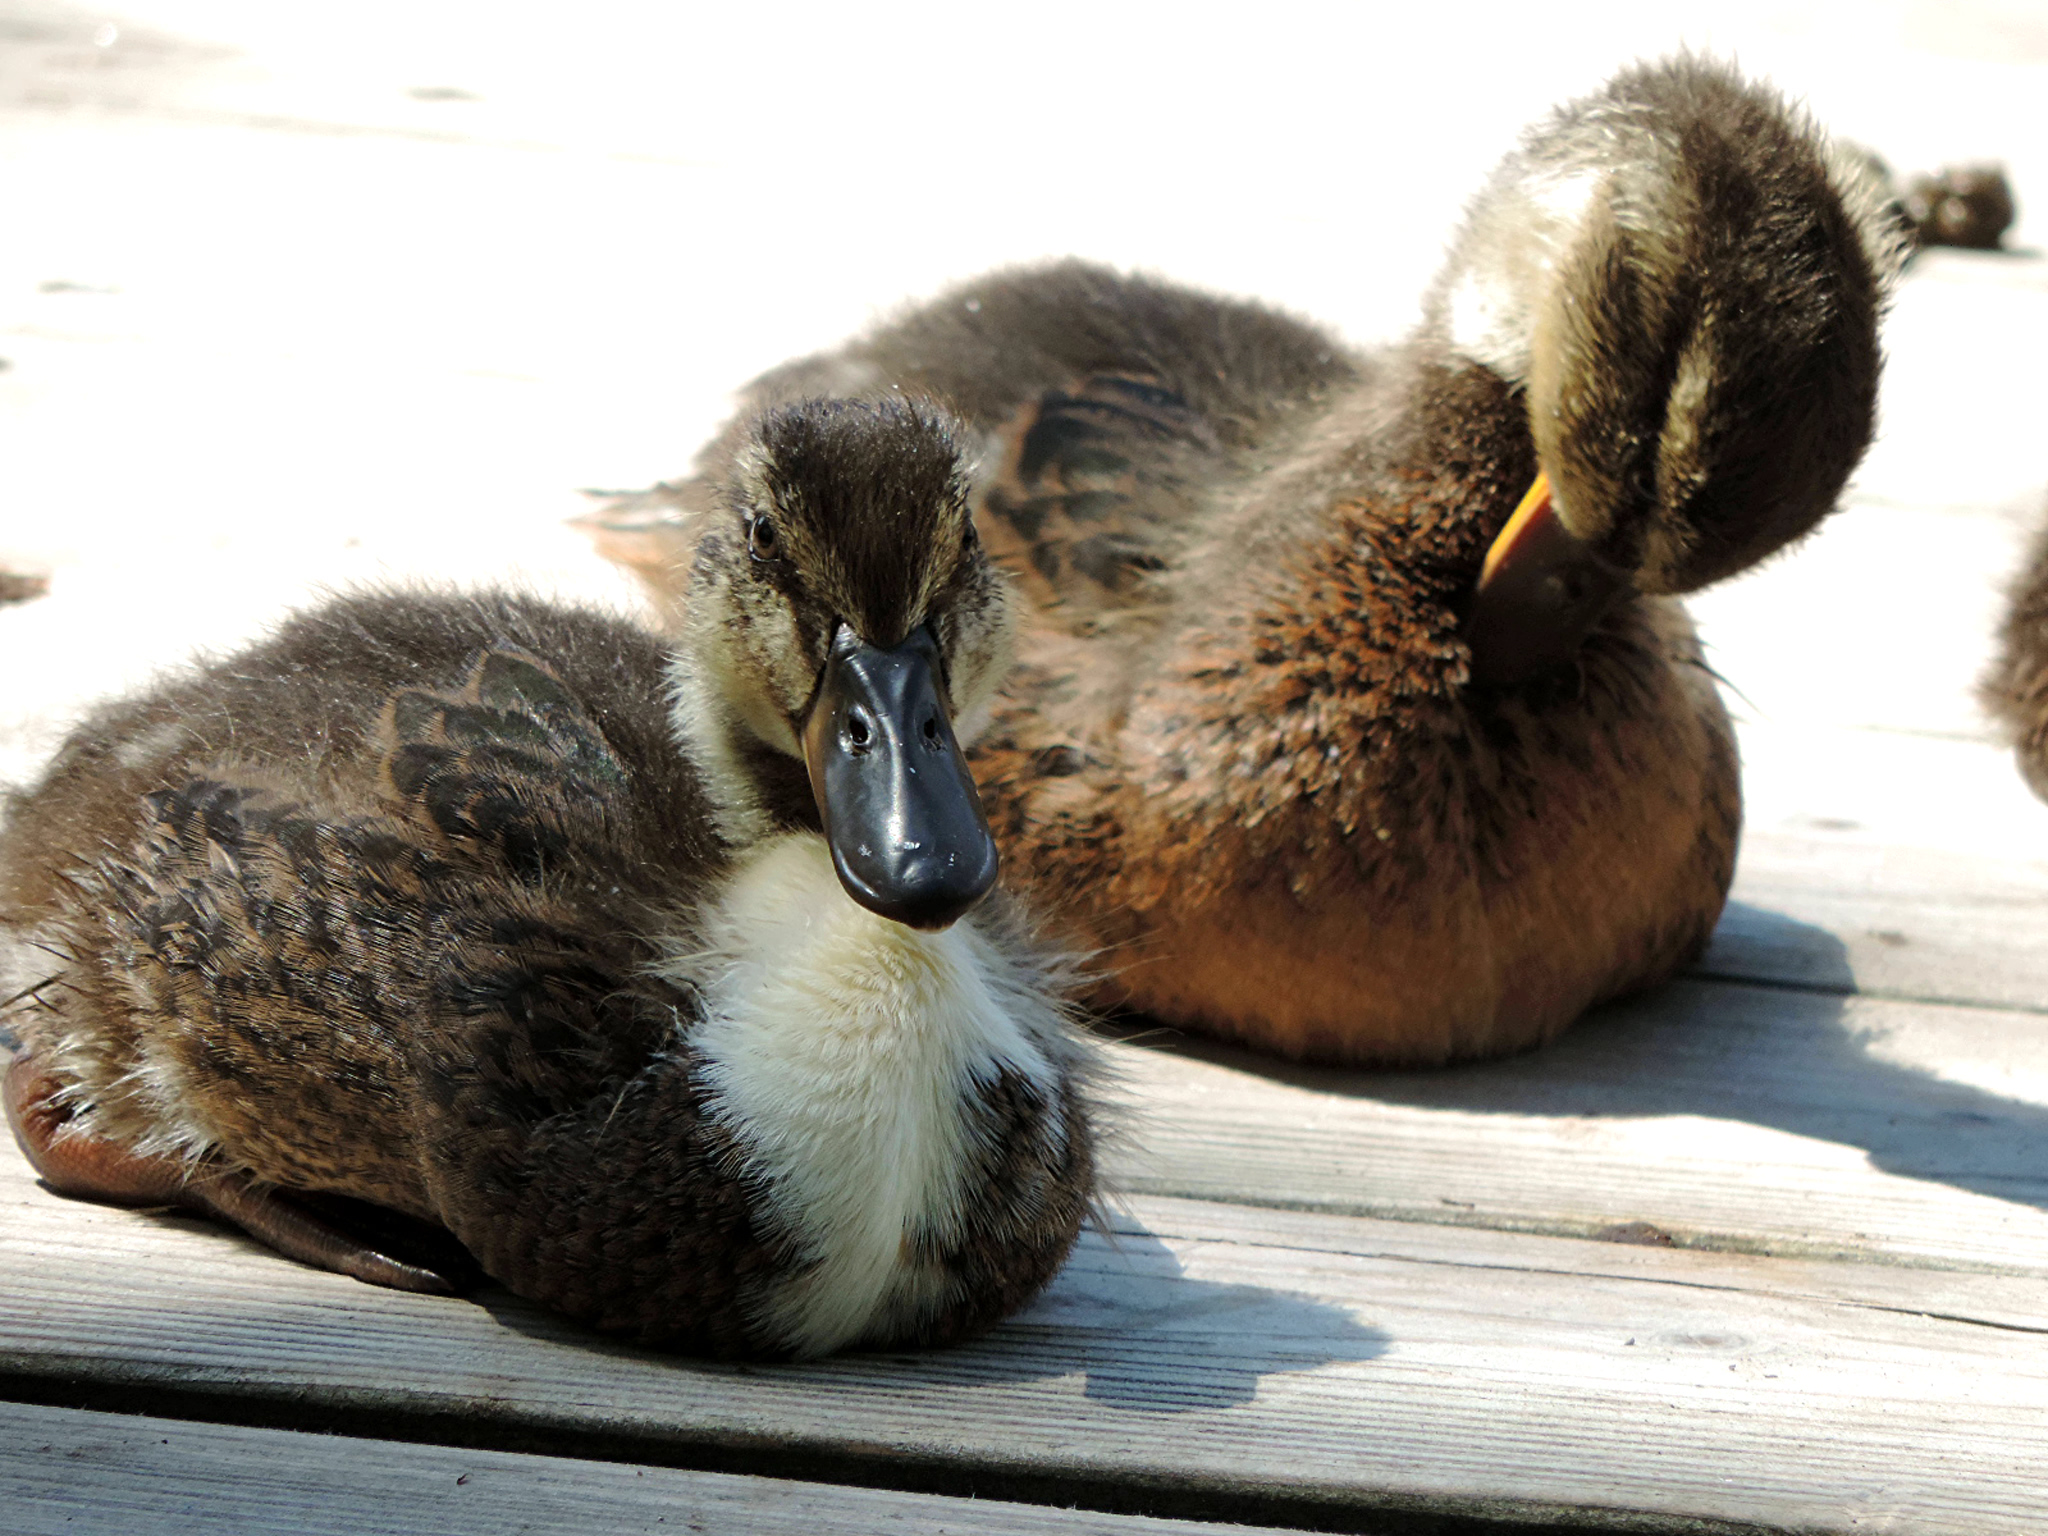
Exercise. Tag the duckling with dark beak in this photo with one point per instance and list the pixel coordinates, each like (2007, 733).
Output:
(1338, 752)
(824, 525)
(665, 980)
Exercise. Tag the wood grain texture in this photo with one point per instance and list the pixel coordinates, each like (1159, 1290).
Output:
(64, 1472)
(1747, 1118)
(1889, 863)
(1842, 914)
(1247, 1363)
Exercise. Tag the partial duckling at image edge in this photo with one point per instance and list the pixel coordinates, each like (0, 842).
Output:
(2015, 690)
(648, 973)
(1356, 718)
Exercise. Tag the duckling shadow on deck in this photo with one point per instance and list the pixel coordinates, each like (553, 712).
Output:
(1151, 1340)
(1122, 1314)
(1799, 1057)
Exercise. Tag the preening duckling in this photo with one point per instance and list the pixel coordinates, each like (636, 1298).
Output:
(2015, 691)
(1333, 748)
(656, 977)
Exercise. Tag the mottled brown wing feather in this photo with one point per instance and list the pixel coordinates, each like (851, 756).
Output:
(1090, 496)
(513, 764)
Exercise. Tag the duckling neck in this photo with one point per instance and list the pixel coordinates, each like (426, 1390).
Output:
(868, 1073)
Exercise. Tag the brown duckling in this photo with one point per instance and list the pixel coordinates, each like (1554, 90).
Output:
(20, 586)
(1970, 206)
(2015, 690)
(655, 975)
(1357, 719)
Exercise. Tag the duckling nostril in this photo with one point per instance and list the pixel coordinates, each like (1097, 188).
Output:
(860, 734)
(931, 730)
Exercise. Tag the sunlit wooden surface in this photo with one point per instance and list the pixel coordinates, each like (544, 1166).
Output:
(292, 298)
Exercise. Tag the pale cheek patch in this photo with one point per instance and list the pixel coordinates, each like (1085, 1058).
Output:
(176, 1128)
(1563, 199)
(1484, 322)
(1509, 255)
(981, 661)
(777, 653)
(846, 1053)
(698, 687)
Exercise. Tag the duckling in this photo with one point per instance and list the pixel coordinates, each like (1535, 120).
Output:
(2015, 690)
(1358, 719)
(658, 976)
(1970, 206)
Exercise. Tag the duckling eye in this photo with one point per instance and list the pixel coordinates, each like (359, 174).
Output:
(858, 732)
(762, 540)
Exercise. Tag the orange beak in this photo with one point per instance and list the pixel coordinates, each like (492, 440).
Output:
(1541, 590)
(1524, 525)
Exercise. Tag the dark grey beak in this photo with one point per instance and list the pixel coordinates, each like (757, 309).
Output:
(905, 826)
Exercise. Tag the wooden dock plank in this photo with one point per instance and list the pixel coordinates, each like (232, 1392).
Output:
(64, 1472)
(1856, 787)
(1888, 862)
(1847, 914)
(1213, 1360)
(1748, 1118)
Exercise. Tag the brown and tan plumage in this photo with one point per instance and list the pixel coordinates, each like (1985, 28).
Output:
(1963, 205)
(444, 904)
(1327, 760)
(2015, 690)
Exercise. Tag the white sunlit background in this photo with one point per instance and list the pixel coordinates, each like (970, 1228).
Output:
(295, 295)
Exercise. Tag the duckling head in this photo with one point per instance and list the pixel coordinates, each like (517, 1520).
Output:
(1686, 276)
(841, 612)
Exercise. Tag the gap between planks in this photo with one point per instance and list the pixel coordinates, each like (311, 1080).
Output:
(63, 1471)
(1211, 1361)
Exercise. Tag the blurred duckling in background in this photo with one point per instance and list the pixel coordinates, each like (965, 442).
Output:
(2015, 691)
(20, 586)
(659, 976)
(1970, 206)
(1357, 717)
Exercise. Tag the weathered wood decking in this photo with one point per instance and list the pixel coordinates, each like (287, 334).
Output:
(1765, 1250)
